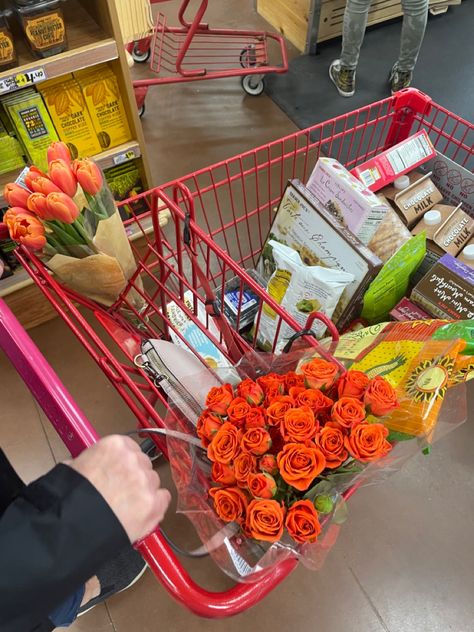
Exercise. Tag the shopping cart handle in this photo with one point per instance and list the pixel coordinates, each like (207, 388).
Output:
(200, 601)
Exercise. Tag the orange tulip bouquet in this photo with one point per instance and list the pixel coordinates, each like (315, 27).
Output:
(69, 216)
(283, 445)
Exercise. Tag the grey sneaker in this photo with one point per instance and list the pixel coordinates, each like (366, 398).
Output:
(116, 576)
(399, 79)
(343, 78)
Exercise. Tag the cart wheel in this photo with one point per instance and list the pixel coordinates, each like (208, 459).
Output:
(253, 86)
(248, 57)
(141, 110)
(149, 448)
(140, 56)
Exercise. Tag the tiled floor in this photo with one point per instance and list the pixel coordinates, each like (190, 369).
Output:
(404, 560)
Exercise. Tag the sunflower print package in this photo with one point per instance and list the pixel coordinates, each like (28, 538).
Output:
(417, 362)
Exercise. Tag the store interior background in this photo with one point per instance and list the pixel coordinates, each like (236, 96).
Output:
(404, 561)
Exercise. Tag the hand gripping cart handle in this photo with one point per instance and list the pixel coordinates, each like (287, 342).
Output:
(78, 434)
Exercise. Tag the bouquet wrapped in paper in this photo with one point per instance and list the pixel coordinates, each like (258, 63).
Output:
(70, 217)
(292, 436)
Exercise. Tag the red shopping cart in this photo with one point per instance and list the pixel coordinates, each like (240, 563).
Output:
(194, 51)
(223, 213)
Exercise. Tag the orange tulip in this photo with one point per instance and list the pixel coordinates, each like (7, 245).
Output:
(62, 208)
(27, 230)
(10, 216)
(42, 184)
(88, 175)
(59, 151)
(33, 173)
(15, 195)
(61, 174)
(38, 205)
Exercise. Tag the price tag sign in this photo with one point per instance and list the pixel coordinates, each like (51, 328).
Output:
(22, 80)
(124, 157)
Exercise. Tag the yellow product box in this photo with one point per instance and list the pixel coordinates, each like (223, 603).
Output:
(102, 95)
(68, 109)
(32, 123)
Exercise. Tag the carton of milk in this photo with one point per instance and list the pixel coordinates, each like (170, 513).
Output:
(345, 197)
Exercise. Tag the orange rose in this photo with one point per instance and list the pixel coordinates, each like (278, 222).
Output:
(319, 373)
(225, 445)
(265, 520)
(352, 384)
(268, 463)
(244, 465)
(237, 411)
(251, 392)
(277, 409)
(330, 439)
(256, 441)
(368, 442)
(207, 426)
(295, 391)
(272, 381)
(299, 425)
(255, 419)
(315, 399)
(223, 474)
(262, 485)
(347, 412)
(380, 397)
(292, 380)
(300, 464)
(302, 522)
(219, 398)
(230, 503)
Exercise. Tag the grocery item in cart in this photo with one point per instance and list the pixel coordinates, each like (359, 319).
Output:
(466, 256)
(412, 195)
(345, 197)
(389, 236)
(447, 290)
(407, 310)
(388, 165)
(301, 290)
(455, 182)
(449, 229)
(302, 223)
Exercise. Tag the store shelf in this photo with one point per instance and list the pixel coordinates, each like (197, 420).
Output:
(118, 155)
(88, 46)
(17, 281)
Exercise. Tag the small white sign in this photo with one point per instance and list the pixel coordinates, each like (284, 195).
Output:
(22, 80)
(124, 157)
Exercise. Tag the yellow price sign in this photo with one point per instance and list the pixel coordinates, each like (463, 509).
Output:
(22, 80)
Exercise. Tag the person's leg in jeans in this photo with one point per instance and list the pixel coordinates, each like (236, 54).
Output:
(342, 71)
(415, 16)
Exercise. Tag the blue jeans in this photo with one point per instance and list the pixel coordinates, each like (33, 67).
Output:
(66, 613)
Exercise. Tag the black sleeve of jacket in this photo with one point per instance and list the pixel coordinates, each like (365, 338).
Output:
(53, 538)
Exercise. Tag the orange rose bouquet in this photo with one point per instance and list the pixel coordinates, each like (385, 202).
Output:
(279, 444)
(68, 216)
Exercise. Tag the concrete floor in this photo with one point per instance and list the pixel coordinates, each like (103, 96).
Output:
(404, 560)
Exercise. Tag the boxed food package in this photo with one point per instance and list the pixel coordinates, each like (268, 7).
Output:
(345, 197)
(387, 166)
(407, 310)
(389, 236)
(102, 95)
(302, 223)
(125, 181)
(412, 195)
(11, 152)
(70, 115)
(32, 124)
(447, 290)
(240, 300)
(456, 183)
(301, 290)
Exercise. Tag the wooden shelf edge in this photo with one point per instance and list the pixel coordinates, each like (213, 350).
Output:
(70, 61)
(18, 281)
